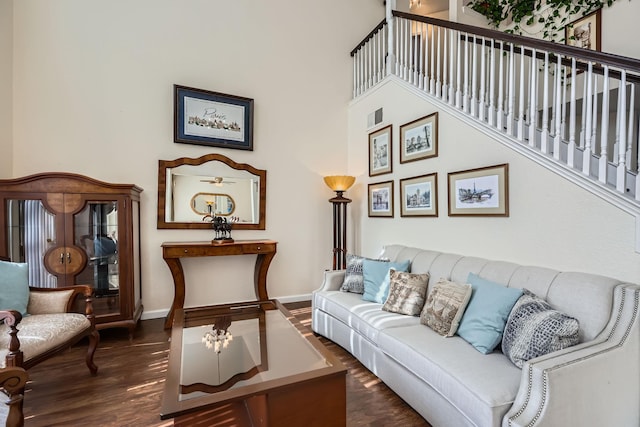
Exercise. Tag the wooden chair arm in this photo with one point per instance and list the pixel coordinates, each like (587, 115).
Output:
(11, 318)
(13, 380)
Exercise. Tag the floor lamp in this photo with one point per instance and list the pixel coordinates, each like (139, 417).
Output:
(339, 184)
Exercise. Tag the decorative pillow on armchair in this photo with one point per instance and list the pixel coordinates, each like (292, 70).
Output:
(445, 306)
(14, 286)
(534, 328)
(406, 292)
(353, 278)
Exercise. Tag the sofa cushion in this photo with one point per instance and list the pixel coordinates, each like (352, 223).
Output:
(482, 387)
(483, 322)
(406, 292)
(353, 278)
(376, 278)
(364, 317)
(14, 286)
(445, 306)
(42, 332)
(534, 328)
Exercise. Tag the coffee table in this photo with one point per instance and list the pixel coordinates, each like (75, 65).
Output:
(250, 364)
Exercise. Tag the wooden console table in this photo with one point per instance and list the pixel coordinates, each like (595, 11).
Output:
(173, 251)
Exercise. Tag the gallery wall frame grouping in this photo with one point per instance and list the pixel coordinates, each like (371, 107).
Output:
(419, 139)
(215, 119)
(479, 192)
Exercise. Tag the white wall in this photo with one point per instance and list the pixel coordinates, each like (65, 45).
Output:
(552, 222)
(93, 95)
(6, 65)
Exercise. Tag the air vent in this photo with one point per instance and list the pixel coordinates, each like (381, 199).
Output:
(374, 118)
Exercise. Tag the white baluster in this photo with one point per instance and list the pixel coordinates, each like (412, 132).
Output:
(483, 77)
(392, 62)
(594, 120)
(604, 129)
(511, 92)
(533, 99)
(584, 112)
(500, 113)
(458, 71)
(638, 163)
(520, 134)
(432, 83)
(563, 123)
(452, 56)
(632, 99)
(492, 84)
(465, 98)
(544, 135)
(421, 58)
(355, 74)
(586, 154)
(474, 78)
(558, 110)
(572, 116)
(438, 77)
(410, 51)
(445, 61)
(621, 169)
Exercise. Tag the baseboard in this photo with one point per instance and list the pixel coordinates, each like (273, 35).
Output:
(157, 314)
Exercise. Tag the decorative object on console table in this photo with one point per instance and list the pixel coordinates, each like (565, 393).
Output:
(72, 229)
(222, 227)
(339, 184)
(419, 196)
(380, 159)
(216, 119)
(381, 199)
(173, 251)
(479, 192)
(419, 139)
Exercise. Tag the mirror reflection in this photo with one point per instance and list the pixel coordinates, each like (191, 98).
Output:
(212, 203)
(188, 188)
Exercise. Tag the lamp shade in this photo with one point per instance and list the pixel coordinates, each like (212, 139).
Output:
(339, 182)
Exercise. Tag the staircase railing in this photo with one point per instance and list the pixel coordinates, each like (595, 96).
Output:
(575, 106)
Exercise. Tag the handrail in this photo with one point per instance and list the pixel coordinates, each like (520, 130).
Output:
(591, 55)
(368, 36)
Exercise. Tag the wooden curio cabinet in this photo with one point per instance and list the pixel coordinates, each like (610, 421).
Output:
(71, 229)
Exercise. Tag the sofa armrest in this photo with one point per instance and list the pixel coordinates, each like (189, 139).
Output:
(594, 383)
(332, 280)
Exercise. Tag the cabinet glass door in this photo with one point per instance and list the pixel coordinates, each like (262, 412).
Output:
(95, 232)
(31, 234)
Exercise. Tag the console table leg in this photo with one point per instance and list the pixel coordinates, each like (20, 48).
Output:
(260, 275)
(178, 284)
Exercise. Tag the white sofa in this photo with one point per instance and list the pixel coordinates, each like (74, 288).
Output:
(450, 383)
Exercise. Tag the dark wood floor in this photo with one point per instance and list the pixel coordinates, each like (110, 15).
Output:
(128, 387)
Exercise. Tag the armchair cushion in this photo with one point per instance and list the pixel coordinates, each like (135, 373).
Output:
(48, 302)
(43, 332)
(14, 286)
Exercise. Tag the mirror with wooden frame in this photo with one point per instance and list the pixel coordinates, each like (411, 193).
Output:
(230, 185)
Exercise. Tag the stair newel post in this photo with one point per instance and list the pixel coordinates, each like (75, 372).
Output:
(588, 97)
(558, 109)
(512, 90)
(492, 84)
(604, 129)
(622, 151)
(572, 116)
(533, 98)
(392, 64)
(544, 136)
(483, 78)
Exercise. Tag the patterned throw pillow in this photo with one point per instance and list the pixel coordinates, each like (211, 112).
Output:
(534, 328)
(406, 292)
(353, 277)
(445, 306)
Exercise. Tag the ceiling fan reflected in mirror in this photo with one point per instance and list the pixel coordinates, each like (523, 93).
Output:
(218, 181)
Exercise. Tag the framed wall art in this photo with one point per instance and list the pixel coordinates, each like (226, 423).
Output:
(585, 32)
(215, 119)
(419, 139)
(479, 192)
(380, 151)
(381, 199)
(419, 196)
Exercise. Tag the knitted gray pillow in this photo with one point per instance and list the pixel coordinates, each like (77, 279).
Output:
(534, 328)
(353, 277)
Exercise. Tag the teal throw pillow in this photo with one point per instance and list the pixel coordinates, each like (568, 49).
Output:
(483, 321)
(376, 278)
(14, 286)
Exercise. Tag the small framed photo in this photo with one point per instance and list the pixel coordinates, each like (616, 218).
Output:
(419, 196)
(202, 117)
(419, 139)
(381, 199)
(479, 192)
(380, 151)
(585, 32)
